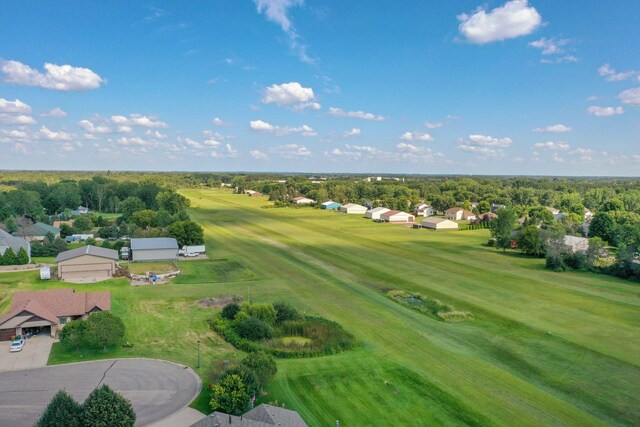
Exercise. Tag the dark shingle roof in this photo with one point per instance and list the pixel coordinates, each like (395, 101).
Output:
(38, 229)
(13, 242)
(260, 416)
(154, 243)
(87, 250)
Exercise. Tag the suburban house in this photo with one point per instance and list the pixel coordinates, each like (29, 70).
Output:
(375, 213)
(154, 249)
(261, 416)
(352, 208)
(457, 214)
(87, 263)
(330, 205)
(37, 232)
(252, 193)
(439, 224)
(486, 217)
(82, 210)
(50, 309)
(302, 201)
(423, 209)
(495, 207)
(396, 217)
(15, 243)
(576, 244)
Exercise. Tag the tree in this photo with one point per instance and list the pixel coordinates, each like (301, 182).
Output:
(145, 218)
(131, 205)
(603, 225)
(163, 218)
(172, 202)
(22, 257)
(529, 241)
(10, 224)
(106, 408)
(264, 312)
(612, 205)
(285, 311)
(9, 257)
(230, 395)
(596, 251)
(62, 411)
(262, 365)
(230, 310)
(67, 230)
(187, 233)
(74, 334)
(253, 329)
(104, 329)
(83, 223)
(503, 227)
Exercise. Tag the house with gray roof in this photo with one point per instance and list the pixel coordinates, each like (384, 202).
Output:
(154, 249)
(8, 241)
(37, 232)
(261, 416)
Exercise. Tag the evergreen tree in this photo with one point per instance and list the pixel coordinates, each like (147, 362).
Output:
(106, 408)
(22, 257)
(62, 411)
(503, 227)
(9, 257)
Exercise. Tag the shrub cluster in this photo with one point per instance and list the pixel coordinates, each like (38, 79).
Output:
(432, 307)
(99, 330)
(11, 258)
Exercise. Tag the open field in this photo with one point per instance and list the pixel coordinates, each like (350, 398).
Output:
(542, 348)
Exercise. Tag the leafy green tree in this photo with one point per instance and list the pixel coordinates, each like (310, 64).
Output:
(503, 227)
(484, 206)
(597, 249)
(612, 205)
(265, 312)
(9, 257)
(74, 334)
(145, 218)
(62, 195)
(529, 241)
(10, 224)
(187, 233)
(22, 257)
(131, 205)
(83, 223)
(230, 395)
(285, 311)
(253, 329)
(247, 376)
(163, 218)
(603, 225)
(62, 411)
(262, 365)
(104, 329)
(67, 230)
(23, 201)
(230, 311)
(172, 202)
(106, 408)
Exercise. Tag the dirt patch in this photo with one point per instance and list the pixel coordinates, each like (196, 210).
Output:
(218, 302)
(200, 257)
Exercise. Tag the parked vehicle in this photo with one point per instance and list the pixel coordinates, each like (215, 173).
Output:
(190, 254)
(17, 345)
(197, 249)
(124, 253)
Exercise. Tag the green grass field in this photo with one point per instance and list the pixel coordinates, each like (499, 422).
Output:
(543, 348)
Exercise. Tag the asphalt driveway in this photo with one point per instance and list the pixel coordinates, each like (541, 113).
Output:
(157, 389)
(34, 354)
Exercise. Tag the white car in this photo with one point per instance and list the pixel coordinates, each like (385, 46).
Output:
(190, 254)
(17, 345)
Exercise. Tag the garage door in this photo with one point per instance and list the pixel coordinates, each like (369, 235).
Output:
(99, 274)
(6, 334)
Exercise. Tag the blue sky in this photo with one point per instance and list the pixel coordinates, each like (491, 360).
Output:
(456, 87)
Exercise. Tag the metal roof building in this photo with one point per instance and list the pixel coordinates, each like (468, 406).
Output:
(154, 249)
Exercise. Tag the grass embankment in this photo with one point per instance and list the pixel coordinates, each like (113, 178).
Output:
(543, 348)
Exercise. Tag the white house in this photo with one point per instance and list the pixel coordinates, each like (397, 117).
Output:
(302, 201)
(439, 224)
(576, 244)
(423, 209)
(375, 213)
(454, 214)
(352, 208)
(397, 217)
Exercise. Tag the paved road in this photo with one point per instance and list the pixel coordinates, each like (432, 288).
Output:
(157, 389)
(34, 354)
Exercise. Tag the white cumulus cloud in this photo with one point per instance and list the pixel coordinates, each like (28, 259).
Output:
(339, 112)
(56, 77)
(594, 110)
(94, 128)
(16, 106)
(291, 151)
(138, 120)
(551, 145)
(550, 46)
(12, 119)
(416, 136)
(48, 134)
(612, 75)
(258, 155)
(262, 126)
(287, 94)
(630, 96)
(355, 132)
(433, 125)
(54, 112)
(557, 128)
(489, 141)
(513, 19)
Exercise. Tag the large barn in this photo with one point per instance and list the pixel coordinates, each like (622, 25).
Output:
(376, 212)
(154, 249)
(87, 263)
(439, 224)
(397, 217)
(352, 208)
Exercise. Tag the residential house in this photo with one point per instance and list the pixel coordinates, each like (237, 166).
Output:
(261, 416)
(576, 244)
(352, 208)
(423, 209)
(37, 232)
(495, 207)
(87, 263)
(439, 224)
(330, 205)
(50, 309)
(485, 217)
(80, 211)
(302, 201)
(154, 249)
(397, 217)
(15, 243)
(375, 213)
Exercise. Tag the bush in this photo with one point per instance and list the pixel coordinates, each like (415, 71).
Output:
(62, 411)
(230, 395)
(254, 329)
(104, 329)
(264, 312)
(285, 311)
(230, 311)
(73, 334)
(262, 365)
(106, 408)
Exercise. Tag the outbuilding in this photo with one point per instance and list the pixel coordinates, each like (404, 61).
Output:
(352, 208)
(375, 213)
(397, 217)
(154, 249)
(87, 263)
(439, 224)
(302, 201)
(330, 205)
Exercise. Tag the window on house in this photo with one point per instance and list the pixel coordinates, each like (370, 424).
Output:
(63, 320)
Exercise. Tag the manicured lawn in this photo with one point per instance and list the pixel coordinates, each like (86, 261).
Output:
(542, 348)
